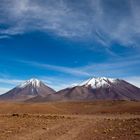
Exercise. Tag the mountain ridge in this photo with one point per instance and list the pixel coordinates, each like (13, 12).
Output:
(96, 89)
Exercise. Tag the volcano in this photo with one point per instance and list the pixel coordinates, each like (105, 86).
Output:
(29, 89)
(101, 88)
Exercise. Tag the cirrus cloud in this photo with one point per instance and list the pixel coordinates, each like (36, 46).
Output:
(104, 21)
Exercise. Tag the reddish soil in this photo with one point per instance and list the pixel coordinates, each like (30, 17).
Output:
(70, 121)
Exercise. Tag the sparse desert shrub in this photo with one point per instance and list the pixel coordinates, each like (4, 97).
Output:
(15, 115)
(25, 115)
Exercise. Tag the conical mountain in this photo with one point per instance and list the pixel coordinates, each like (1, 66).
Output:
(98, 89)
(29, 89)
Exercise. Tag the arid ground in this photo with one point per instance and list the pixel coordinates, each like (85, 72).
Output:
(99, 120)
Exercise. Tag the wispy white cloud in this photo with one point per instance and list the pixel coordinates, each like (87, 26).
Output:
(60, 82)
(10, 81)
(104, 21)
(68, 70)
(115, 68)
(4, 36)
(118, 67)
(7, 84)
(113, 64)
(3, 90)
(134, 80)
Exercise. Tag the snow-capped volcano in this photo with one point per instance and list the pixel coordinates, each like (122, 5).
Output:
(98, 82)
(101, 88)
(28, 89)
(34, 82)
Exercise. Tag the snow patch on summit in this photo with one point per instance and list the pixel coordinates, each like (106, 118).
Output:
(98, 82)
(34, 82)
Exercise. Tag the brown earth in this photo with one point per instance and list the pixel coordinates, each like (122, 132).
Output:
(102, 120)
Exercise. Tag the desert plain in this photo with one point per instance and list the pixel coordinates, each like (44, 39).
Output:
(89, 120)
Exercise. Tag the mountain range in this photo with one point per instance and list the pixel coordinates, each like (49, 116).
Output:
(100, 88)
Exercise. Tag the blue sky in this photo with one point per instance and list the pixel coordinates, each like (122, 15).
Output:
(64, 42)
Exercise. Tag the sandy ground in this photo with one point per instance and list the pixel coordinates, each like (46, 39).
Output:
(70, 122)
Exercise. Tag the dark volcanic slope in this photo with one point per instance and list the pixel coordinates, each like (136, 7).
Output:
(27, 90)
(96, 89)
